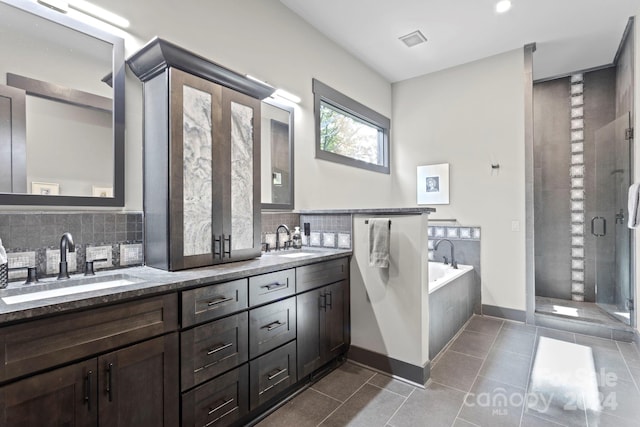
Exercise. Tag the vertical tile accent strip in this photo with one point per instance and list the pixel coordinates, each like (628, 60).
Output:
(197, 195)
(577, 194)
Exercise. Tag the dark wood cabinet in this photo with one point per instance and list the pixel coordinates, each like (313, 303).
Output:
(271, 374)
(202, 159)
(219, 402)
(63, 397)
(135, 386)
(213, 348)
(138, 385)
(271, 326)
(37, 345)
(323, 317)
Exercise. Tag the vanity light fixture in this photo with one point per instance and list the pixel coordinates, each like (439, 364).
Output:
(281, 94)
(287, 96)
(413, 39)
(503, 6)
(57, 5)
(98, 13)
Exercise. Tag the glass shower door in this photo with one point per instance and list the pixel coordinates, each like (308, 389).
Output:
(608, 222)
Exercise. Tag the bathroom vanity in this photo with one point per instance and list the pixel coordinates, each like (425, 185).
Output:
(214, 346)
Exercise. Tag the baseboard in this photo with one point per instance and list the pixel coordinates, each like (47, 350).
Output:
(636, 339)
(504, 313)
(386, 364)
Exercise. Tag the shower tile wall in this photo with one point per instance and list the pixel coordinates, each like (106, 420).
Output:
(559, 242)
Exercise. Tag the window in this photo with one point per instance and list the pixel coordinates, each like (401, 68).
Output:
(347, 132)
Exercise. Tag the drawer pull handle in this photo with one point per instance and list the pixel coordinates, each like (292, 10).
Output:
(274, 286)
(220, 348)
(220, 301)
(276, 374)
(222, 405)
(275, 325)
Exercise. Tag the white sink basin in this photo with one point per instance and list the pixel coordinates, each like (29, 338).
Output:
(295, 254)
(70, 287)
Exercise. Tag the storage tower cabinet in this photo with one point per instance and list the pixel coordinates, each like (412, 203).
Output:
(201, 159)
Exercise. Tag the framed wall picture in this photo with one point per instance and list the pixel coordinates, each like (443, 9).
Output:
(45, 188)
(433, 184)
(101, 191)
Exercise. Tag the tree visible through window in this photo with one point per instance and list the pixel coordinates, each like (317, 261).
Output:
(348, 132)
(348, 136)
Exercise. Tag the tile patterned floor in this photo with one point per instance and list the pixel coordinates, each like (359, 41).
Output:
(481, 379)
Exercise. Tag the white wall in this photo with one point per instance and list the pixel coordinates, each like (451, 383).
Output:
(266, 40)
(390, 306)
(470, 117)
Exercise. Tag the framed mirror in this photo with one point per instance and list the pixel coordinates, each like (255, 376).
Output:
(277, 156)
(61, 109)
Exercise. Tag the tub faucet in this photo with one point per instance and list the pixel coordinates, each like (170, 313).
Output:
(66, 240)
(454, 264)
(278, 235)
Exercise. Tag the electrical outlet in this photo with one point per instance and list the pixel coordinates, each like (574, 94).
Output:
(515, 226)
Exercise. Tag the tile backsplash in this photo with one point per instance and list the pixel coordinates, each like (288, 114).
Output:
(33, 239)
(329, 231)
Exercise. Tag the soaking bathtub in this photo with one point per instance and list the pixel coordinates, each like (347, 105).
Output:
(453, 293)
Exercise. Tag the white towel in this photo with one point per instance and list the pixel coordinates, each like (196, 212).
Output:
(634, 208)
(379, 242)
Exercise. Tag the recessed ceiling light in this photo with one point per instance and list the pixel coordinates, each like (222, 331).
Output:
(503, 6)
(413, 39)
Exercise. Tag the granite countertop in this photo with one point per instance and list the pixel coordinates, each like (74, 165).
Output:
(147, 281)
(372, 211)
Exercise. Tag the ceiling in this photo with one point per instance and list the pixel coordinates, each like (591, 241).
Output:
(570, 35)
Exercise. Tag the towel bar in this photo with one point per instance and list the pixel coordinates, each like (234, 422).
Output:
(366, 221)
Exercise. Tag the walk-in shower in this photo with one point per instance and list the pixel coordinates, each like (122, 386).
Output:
(583, 142)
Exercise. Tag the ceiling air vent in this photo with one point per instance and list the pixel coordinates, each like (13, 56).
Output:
(413, 38)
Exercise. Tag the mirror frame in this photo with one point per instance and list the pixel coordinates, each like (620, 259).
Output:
(118, 118)
(285, 206)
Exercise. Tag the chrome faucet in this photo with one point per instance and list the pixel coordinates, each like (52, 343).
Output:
(66, 240)
(278, 235)
(454, 264)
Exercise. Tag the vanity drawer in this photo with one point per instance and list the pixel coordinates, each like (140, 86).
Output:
(272, 373)
(213, 301)
(320, 274)
(40, 344)
(272, 286)
(271, 325)
(213, 348)
(220, 402)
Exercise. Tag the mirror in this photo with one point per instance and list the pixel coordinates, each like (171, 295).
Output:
(277, 155)
(61, 109)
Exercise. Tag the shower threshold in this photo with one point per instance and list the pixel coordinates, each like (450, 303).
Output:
(583, 311)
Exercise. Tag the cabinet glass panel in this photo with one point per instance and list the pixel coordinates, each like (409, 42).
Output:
(197, 171)
(241, 176)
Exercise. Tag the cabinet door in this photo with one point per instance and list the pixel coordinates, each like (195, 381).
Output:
(195, 155)
(138, 385)
(63, 397)
(310, 306)
(334, 319)
(241, 178)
